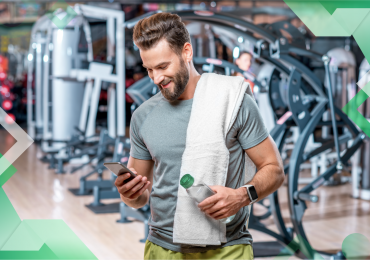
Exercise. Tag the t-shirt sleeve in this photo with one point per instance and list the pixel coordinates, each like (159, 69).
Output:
(250, 125)
(138, 148)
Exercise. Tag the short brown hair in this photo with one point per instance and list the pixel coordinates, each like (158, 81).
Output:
(149, 31)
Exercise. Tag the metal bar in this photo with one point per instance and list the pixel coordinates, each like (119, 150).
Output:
(326, 59)
(229, 20)
(342, 139)
(307, 74)
(332, 169)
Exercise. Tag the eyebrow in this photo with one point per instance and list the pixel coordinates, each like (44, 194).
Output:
(160, 64)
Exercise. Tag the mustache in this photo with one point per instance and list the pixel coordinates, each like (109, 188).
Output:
(165, 82)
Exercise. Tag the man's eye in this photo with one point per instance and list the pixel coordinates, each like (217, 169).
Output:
(163, 68)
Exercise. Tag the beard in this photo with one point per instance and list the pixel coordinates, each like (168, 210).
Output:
(180, 81)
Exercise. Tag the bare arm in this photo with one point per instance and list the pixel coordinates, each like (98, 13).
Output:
(136, 193)
(270, 169)
(269, 177)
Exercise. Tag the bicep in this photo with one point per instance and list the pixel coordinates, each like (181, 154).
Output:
(143, 168)
(265, 153)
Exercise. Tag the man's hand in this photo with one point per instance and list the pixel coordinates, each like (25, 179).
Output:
(134, 188)
(225, 203)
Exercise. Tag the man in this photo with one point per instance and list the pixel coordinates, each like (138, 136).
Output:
(158, 135)
(244, 63)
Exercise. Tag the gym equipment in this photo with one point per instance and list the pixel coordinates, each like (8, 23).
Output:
(121, 150)
(53, 53)
(103, 152)
(105, 72)
(83, 144)
(141, 214)
(98, 72)
(142, 90)
(300, 95)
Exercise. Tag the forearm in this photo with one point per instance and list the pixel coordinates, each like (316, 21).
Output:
(139, 202)
(267, 180)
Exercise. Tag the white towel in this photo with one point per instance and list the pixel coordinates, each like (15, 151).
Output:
(216, 103)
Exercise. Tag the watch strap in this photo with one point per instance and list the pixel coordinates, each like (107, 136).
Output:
(247, 187)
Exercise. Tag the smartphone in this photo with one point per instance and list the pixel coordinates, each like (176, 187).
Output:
(118, 169)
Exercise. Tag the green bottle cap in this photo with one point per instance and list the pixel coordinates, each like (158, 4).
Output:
(187, 181)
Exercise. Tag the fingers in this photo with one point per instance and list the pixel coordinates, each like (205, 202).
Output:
(213, 209)
(208, 202)
(131, 184)
(220, 214)
(121, 178)
(140, 191)
(134, 186)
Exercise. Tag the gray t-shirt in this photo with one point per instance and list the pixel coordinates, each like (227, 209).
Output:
(158, 132)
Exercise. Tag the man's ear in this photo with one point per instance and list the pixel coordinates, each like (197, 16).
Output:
(237, 62)
(187, 52)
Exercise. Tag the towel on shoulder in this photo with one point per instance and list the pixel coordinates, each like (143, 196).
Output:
(216, 103)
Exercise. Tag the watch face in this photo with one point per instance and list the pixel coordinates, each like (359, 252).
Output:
(253, 192)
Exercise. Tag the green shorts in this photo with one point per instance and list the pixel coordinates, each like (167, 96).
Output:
(235, 252)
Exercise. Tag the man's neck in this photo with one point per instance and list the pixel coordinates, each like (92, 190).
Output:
(194, 77)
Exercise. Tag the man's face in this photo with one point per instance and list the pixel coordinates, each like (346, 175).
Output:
(166, 69)
(244, 61)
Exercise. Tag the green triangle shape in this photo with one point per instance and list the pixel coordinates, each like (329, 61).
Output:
(7, 174)
(44, 253)
(60, 239)
(23, 239)
(316, 18)
(366, 89)
(9, 219)
(350, 18)
(331, 6)
(362, 37)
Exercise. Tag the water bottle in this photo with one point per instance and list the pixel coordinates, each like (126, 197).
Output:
(199, 191)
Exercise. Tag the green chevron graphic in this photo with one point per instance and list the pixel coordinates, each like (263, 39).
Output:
(31, 239)
(340, 18)
(35, 239)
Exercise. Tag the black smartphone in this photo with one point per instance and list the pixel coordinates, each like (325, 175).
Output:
(118, 169)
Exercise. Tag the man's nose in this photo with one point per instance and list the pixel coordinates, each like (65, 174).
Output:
(157, 77)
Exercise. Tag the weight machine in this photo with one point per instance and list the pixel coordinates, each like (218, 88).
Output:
(80, 143)
(52, 54)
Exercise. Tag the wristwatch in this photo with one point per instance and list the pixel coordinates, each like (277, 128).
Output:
(252, 193)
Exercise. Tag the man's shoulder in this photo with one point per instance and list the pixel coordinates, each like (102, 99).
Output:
(145, 108)
(249, 104)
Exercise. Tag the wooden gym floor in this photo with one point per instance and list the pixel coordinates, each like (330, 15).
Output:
(38, 193)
